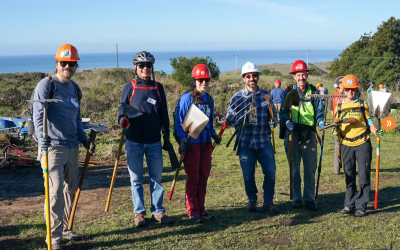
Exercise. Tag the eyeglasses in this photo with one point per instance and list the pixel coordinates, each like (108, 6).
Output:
(248, 76)
(147, 65)
(64, 63)
(203, 80)
(347, 90)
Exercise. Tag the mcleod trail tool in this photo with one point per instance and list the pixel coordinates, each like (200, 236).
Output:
(380, 109)
(292, 99)
(320, 157)
(267, 98)
(193, 124)
(46, 166)
(94, 129)
(130, 113)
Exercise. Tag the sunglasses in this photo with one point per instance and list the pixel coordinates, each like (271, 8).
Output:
(347, 90)
(147, 65)
(71, 64)
(248, 76)
(203, 80)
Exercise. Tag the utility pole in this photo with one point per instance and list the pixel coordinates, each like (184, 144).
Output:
(236, 62)
(307, 56)
(116, 46)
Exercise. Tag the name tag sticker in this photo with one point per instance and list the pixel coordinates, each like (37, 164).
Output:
(263, 104)
(152, 101)
(74, 103)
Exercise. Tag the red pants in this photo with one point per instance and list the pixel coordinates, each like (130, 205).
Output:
(197, 167)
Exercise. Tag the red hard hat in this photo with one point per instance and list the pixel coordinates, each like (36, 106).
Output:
(298, 66)
(201, 71)
(278, 82)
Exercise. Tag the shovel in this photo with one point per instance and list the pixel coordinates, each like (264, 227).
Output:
(130, 113)
(46, 167)
(292, 99)
(380, 109)
(193, 124)
(94, 129)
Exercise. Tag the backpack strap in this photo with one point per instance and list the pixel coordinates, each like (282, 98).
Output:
(135, 88)
(211, 109)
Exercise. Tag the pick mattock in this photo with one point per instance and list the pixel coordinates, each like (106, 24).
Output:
(380, 109)
(130, 113)
(193, 124)
(267, 98)
(46, 166)
(292, 99)
(94, 129)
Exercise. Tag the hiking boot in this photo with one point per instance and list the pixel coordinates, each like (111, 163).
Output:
(162, 219)
(206, 215)
(71, 235)
(196, 218)
(296, 204)
(347, 210)
(270, 208)
(140, 220)
(56, 246)
(359, 213)
(310, 205)
(251, 206)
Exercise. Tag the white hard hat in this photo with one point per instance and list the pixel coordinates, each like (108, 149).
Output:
(250, 67)
(335, 85)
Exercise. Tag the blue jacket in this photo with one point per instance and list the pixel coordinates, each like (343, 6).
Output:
(183, 107)
(277, 95)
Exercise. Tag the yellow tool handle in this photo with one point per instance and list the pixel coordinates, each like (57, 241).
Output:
(46, 185)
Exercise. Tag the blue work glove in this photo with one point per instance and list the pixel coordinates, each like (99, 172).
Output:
(184, 145)
(44, 143)
(86, 144)
(273, 123)
(290, 125)
(322, 124)
(216, 139)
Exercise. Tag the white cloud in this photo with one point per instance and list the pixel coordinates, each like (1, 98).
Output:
(294, 12)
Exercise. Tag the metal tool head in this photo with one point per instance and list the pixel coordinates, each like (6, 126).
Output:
(97, 129)
(194, 122)
(44, 100)
(326, 97)
(380, 104)
(292, 99)
(131, 112)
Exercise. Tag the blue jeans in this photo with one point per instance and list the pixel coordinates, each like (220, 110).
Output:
(135, 152)
(265, 156)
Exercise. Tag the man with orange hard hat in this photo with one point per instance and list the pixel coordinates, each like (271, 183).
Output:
(277, 95)
(65, 131)
(305, 117)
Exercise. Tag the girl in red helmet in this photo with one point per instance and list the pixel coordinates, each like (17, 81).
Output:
(197, 151)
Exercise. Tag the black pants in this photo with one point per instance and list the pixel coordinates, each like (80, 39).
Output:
(362, 155)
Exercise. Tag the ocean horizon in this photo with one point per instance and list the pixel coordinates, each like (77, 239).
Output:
(225, 59)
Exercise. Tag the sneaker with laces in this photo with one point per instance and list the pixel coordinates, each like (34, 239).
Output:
(56, 246)
(347, 210)
(162, 219)
(251, 206)
(206, 215)
(270, 208)
(71, 235)
(140, 220)
(359, 213)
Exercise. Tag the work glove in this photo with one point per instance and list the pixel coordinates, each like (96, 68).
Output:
(184, 145)
(273, 123)
(124, 122)
(322, 124)
(379, 132)
(335, 132)
(44, 143)
(86, 144)
(216, 139)
(289, 124)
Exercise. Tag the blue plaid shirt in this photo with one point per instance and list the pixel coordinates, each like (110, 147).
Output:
(254, 136)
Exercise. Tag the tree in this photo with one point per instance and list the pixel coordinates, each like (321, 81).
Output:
(182, 68)
(373, 57)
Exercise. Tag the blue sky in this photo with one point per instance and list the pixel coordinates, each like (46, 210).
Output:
(41, 26)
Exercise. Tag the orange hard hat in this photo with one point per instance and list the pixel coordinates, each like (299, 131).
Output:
(381, 86)
(350, 82)
(201, 71)
(278, 82)
(67, 53)
(318, 84)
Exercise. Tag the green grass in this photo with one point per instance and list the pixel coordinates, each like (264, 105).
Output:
(234, 227)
